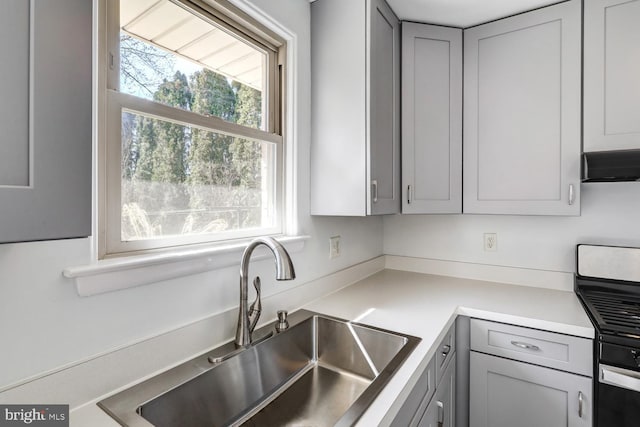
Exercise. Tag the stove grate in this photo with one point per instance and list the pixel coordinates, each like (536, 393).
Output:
(615, 312)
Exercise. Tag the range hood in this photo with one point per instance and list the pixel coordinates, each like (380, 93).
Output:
(611, 166)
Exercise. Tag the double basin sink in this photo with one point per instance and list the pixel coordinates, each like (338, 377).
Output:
(322, 371)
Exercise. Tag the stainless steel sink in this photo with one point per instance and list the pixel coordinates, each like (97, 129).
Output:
(322, 371)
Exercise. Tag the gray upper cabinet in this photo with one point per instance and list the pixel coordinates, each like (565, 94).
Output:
(522, 113)
(611, 75)
(45, 119)
(431, 119)
(355, 96)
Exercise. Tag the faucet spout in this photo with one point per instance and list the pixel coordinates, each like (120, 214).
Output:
(284, 271)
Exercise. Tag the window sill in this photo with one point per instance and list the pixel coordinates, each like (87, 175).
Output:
(123, 273)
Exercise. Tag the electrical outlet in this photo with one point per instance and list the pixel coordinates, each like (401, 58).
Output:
(490, 242)
(334, 247)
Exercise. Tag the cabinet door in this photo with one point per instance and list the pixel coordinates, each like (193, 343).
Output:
(611, 75)
(45, 119)
(522, 113)
(421, 394)
(355, 108)
(384, 109)
(14, 116)
(441, 411)
(431, 119)
(506, 393)
(339, 184)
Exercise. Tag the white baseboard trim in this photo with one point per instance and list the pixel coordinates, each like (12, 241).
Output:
(558, 280)
(93, 378)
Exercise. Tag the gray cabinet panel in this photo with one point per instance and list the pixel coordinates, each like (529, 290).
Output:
(428, 404)
(462, 371)
(418, 399)
(506, 393)
(611, 70)
(384, 93)
(522, 113)
(14, 111)
(519, 68)
(338, 99)
(445, 353)
(56, 203)
(431, 119)
(355, 132)
(442, 409)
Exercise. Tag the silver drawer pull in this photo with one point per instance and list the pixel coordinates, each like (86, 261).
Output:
(374, 190)
(525, 345)
(440, 413)
(572, 195)
(445, 350)
(580, 401)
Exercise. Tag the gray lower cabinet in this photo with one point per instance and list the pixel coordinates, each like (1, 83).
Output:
(355, 104)
(431, 119)
(611, 75)
(441, 411)
(508, 393)
(45, 119)
(432, 400)
(522, 104)
(528, 377)
(415, 404)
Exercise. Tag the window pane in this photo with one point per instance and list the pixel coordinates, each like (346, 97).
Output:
(169, 55)
(181, 180)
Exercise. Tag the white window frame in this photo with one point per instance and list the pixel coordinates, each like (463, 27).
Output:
(111, 104)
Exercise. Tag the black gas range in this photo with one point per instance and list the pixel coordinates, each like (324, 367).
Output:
(608, 285)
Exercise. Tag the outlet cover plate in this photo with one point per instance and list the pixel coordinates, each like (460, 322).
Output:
(334, 247)
(491, 242)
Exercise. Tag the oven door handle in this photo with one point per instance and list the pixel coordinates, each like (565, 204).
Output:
(619, 377)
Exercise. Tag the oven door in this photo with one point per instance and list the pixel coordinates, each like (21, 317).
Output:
(618, 397)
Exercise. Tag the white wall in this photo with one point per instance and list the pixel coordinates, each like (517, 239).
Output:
(610, 215)
(44, 324)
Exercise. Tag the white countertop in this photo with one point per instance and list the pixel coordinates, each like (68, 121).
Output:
(425, 306)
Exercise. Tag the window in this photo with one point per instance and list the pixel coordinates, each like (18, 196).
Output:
(191, 142)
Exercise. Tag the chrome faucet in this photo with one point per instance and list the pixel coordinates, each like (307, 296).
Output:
(248, 316)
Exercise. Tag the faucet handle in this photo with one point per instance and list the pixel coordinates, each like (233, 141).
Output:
(282, 323)
(256, 308)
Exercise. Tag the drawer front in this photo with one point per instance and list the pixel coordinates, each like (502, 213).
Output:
(445, 352)
(564, 352)
(421, 393)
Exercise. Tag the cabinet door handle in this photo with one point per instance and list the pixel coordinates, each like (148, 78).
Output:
(440, 413)
(580, 402)
(572, 195)
(408, 194)
(525, 346)
(445, 350)
(374, 189)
